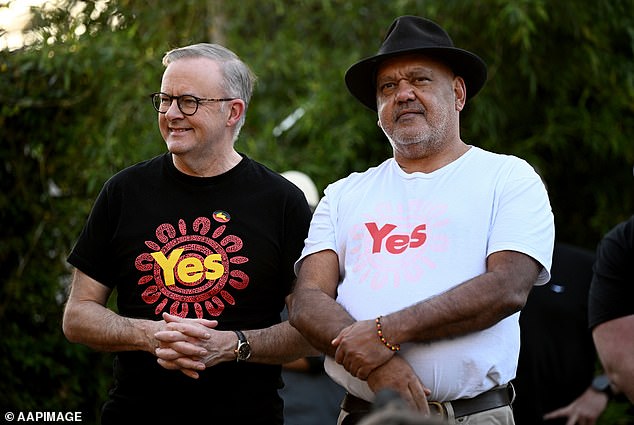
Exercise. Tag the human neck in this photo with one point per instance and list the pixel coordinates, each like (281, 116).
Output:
(431, 161)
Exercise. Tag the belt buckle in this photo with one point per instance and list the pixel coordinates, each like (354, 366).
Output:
(439, 407)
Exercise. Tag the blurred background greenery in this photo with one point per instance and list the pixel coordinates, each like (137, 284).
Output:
(74, 110)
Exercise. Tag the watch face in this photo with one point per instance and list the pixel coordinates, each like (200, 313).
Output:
(244, 351)
(601, 383)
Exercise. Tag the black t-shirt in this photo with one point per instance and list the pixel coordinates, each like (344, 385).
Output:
(612, 289)
(557, 356)
(218, 248)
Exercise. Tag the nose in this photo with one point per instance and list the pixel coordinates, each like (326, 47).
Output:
(173, 111)
(404, 91)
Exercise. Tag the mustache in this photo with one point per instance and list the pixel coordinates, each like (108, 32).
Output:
(409, 108)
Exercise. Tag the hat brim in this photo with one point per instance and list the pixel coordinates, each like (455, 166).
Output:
(360, 78)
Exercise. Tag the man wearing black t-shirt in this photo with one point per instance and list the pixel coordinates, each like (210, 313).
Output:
(199, 244)
(611, 306)
(557, 359)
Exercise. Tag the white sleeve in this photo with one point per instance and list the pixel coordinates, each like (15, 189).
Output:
(321, 234)
(524, 221)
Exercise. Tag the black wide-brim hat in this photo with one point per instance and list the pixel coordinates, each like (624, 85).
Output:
(413, 34)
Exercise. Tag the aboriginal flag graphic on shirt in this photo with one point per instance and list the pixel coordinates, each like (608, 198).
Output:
(192, 267)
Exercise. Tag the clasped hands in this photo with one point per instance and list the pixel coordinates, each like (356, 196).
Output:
(360, 351)
(192, 345)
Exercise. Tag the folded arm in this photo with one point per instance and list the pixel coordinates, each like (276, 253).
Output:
(476, 304)
(314, 311)
(312, 307)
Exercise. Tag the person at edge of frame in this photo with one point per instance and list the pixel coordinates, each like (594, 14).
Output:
(611, 307)
(556, 346)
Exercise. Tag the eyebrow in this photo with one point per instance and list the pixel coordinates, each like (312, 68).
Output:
(408, 73)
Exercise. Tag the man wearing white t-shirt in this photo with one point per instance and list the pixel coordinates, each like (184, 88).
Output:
(414, 271)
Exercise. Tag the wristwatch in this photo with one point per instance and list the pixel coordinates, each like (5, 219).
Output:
(243, 350)
(601, 383)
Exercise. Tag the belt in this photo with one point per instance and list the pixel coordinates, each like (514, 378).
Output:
(492, 399)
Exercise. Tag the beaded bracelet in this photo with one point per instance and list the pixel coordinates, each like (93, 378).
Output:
(379, 331)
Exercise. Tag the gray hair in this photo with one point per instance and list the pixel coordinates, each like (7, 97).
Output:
(238, 79)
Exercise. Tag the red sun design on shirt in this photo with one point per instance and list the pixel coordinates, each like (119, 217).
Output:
(195, 270)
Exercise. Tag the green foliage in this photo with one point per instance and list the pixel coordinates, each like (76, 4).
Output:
(561, 95)
(74, 110)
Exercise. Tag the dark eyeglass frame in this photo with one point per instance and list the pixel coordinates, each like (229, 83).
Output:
(157, 100)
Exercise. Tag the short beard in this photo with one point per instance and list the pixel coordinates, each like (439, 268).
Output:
(421, 144)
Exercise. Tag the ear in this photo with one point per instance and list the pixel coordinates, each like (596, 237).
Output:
(236, 111)
(460, 93)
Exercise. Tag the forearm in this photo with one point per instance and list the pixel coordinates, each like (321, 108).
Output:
(312, 308)
(465, 309)
(278, 344)
(477, 304)
(88, 321)
(624, 381)
(102, 329)
(318, 317)
(614, 341)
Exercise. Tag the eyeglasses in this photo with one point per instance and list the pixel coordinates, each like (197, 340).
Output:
(187, 103)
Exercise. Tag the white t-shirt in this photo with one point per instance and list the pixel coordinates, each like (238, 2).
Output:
(402, 238)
